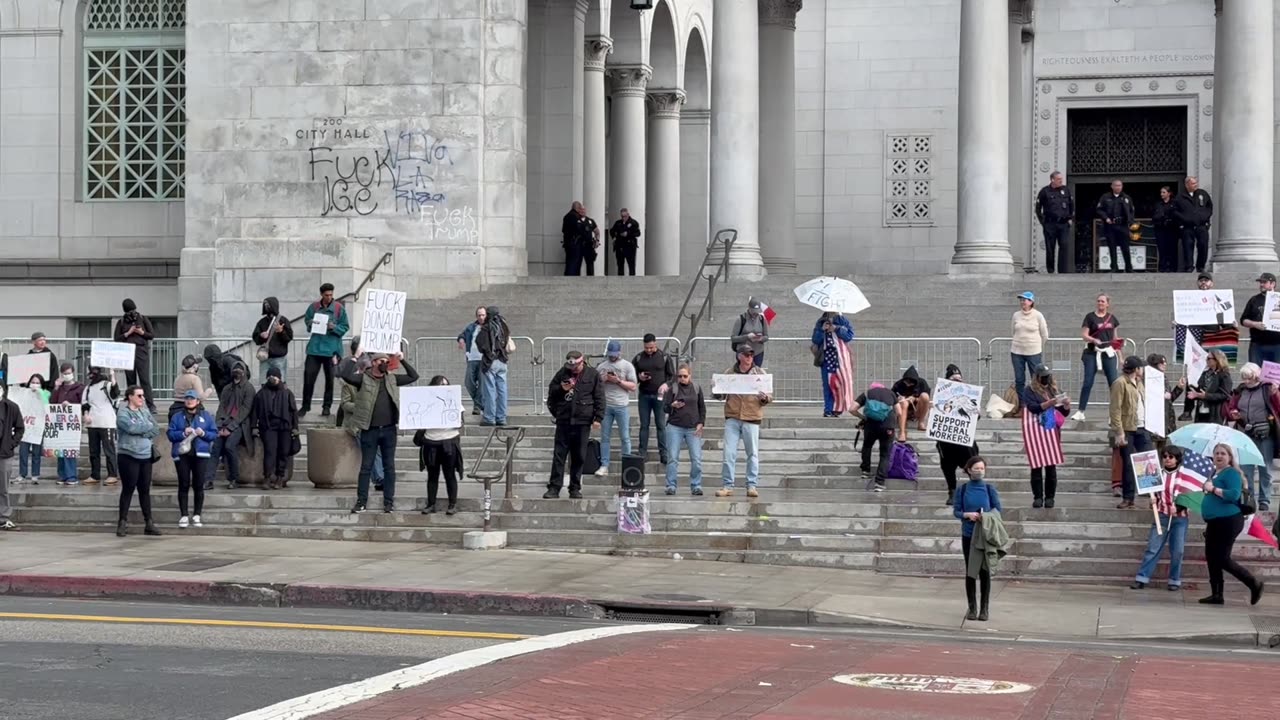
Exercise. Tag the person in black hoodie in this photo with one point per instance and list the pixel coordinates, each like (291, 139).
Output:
(220, 366)
(876, 407)
(235, 408)
(575, 399)
(913, 400)
(11, 429)
(954, 457)
(276, 412)
(1165, 221)
(492, 344)
(272, 335)
(135, 328)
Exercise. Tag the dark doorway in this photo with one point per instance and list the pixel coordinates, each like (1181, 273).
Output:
(1145, 195)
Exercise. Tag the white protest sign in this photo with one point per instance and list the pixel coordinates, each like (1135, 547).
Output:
(437, 407)
(22, 367)
(741, 384)
(111, 355)
(62, 430)
(32, 406)
(1153, 402)
(953, 418)
(319, 324)
(383, 321)
(1204, 307)
(1271, 311)
(1196, 359)
(1146, 472)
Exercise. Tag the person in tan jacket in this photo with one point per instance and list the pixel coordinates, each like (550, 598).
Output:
(1128, 415)
(742, 417)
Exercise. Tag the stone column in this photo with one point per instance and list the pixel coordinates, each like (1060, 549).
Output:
(695, 186)
(735, 132)
(660, 241)
(1244, 102)
(982, 245)
(777, 133)
(593, 121)
(627, 166)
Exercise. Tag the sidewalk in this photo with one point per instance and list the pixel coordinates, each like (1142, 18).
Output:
(395, 576)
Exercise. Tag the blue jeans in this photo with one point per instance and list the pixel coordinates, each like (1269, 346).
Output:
(1259, 352)
(281, 363)
(749, 433)
(227, 448)
(1175, 537)
(828, 399)
(1090, 363)
(376, 442)
(653, 404)
(27, 451)
(67, 469)
(677, 437)
(759, 359)
(495, 393)
(1021, 365)
(621, 416)
(1262, 491)
(474, 383)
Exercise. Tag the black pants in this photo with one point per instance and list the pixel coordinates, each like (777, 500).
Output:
(873, 433)
(950, 463)
(316, 363)
(984, 575)
(141, 375)
(1135, 442)
(102, 443)
(1195, 239)
(626, 256)
(572, 259)
(438, 462)
(1167, 249)
(1055, 245)
(571, 442)
(190, 478)
(1118, 237)
(371, 441)
(1219, 537)
(1044, 483)
(275, 453)
(135, 474)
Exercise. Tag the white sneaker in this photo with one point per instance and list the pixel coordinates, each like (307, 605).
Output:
(195, 520)
(1079, 416)
(182, 521)
(602, 471)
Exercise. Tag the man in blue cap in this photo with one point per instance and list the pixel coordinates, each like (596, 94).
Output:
(619, 377)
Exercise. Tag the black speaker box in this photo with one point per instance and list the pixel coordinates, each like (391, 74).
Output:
(632, 472)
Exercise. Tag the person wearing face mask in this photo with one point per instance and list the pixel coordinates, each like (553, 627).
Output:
(31, 449)
(374, 419)
(69, 392)
(100, 423)
(276, 411)
(972, 500)
(137, 427)
(348, 402)
(1172, 519)
(441, 450)
(953, 457)
(235, 407)
(687, 413)
(272, 335)
(1046, 410)
(575, 399)
(191, 432)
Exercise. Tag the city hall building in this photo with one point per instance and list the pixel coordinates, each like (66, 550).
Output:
(198, 156)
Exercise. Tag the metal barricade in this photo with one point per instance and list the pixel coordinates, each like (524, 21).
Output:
(883, 360)
(1063, 356)
(164, 355)
(443, 356)
(593, 348)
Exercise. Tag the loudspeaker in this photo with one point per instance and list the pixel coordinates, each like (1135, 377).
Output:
(632, 472)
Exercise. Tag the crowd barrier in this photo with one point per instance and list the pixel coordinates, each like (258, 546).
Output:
(1062, 355)
(554, 349)
(442, 356)
(1166, 347)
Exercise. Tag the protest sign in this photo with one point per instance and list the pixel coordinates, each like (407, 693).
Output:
(437, 407)
(62, 430)
(383, 321)
(111, 355)
(1146, 471)
(1196, 359)
(953, 418)
(319, 324)
(1270, 372)
(1204, 307)
(1271, 311)
(22, 367)
(31, 404)
(741, 384)
(1153, 402)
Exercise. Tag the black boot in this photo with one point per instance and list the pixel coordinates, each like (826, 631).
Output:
(971, 593)
(951, 497)
(151, 529)
(1037, 492)
(122, 528)
(986, 598)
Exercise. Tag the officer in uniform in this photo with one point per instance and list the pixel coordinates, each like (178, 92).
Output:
(1055, 209)
(1193, 210)
(626, 240)
(1115, 210)
(579, 237)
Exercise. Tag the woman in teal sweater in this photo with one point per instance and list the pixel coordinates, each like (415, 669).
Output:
(1223, 522)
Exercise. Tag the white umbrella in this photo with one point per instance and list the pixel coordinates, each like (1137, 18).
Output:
(832, 294)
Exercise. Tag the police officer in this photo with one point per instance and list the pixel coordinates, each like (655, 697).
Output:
(1193, 211)
(1167, 230)
(626, 239)
(1115, 210)
(1055, 209)
(580, 237)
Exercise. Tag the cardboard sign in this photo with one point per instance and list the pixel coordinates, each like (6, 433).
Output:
(741, 384)
(431, 408)
(319, 324)
(953, 418)
(31, 404)
(111, 355)
(1271, 311)
(1197, 360)
(1146, 471)
(1204, 307)
(22, 367)
(1153, 402)
(383, 321)
(1270, 372)
(62, 427)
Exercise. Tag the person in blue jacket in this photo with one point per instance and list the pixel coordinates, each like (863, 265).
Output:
(191, 432)
(324, 349)
(1223, 521)
(830, 329)
(972, 499)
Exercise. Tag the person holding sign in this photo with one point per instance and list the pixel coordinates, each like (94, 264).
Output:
(1213, 391)
(324, 348)
(441, 451)
(1171, 395)
(742, 417)
(67, 391)
(12, 427)
(1264, 343)
(135, 328)
(1253, 409)
(1127, 429)
(951, 456)
(1172, 521)
(191, 433)
(276, 412)
(40, 346)
(32, 448)
(375, 419)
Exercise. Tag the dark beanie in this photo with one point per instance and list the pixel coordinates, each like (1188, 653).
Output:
(129, 305)
(273, 372)
(952, 369)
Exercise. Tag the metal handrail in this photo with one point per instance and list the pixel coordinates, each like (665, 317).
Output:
(723, 239)
(513, 436)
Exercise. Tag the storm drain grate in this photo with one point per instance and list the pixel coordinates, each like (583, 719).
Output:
(193, 565)
(634, 614)
(1268, 627)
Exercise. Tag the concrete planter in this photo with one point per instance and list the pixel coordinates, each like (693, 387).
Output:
(333, 458)
(165, 474)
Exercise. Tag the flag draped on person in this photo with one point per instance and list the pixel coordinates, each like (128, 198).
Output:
(836, 353)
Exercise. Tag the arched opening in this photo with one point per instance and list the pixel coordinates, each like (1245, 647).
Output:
(695, 154)
(662, 48)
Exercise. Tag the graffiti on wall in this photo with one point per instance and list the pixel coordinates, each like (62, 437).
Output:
(404, 173)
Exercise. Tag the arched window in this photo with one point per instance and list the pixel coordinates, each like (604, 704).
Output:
(134, 99)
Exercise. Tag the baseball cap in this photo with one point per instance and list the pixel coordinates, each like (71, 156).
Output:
(1028, 295)
(1043, 371)
(614, 349)
(36, 336)
(753, 304)
(1133, 362)
(191, 395)
(1266, 277)
(746, 349)
(1204, 275)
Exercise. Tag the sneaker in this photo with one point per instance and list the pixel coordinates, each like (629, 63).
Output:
(879, 488)
(1175, 588)
(195, 520)
(1256, 594)
(452, 509)
(1037, 503)
(1078, 416)
(724, 492)
(1048, 503)
(8, 525)
(752, 492)
(696, 491)
(670, 491)
(475, 411)
(575, 494)
(1184, 417)
(151, 529)
(91, 481)
(429, 510)
(324, 412)
(1137, 585)
(359, 508)
(61, 482)
(183, 522)
(551, 495)
(71, 483)
(116, 481)
(602, 471)
(388, 507)
(866, 473)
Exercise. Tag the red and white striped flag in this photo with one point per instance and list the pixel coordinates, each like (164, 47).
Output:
(767, 312)
(840, 381)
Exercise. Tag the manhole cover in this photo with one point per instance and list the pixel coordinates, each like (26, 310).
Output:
(934, 684)
(674, 597)
(195, 565)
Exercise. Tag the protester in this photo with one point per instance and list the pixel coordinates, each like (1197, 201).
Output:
(12, 427)
(913, 400)
(191, 433)
(625, 234)
(135, 328)
(1264, 344)
(953, 457)
(100, 423)
(742, 417)
(220, 366)
(30, 453)
(375, 420)
(235, 407)
(751, 328)
(975, 498)
(474, 382)
(348, 405)
(272, 335)
(1046, 409)
(619, 378)
(1213, 393)
(828, 343)
(656, 372)
(441, 450)
(323, 349)
(1253, 409)
(576, 401)
(687, 411)
(1099, 333)
(188, 380)
(1224, 337)
(67, 391)
(1224, 520)
(877, 408)
(1029, 334)
(276, 411)
(40, 345)
(137, 427)
(1171, 395)
(1170, 526)
(494, 343)
(1127, 421)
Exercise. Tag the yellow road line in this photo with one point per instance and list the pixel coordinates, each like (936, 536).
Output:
(263, 624)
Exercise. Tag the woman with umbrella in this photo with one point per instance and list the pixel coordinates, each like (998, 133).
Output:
(831, 333)
(1224, 519)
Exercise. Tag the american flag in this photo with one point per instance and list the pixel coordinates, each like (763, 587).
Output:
(1196, 468)
(836, 354)
(1044, 447)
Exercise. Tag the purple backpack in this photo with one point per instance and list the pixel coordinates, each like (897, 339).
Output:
(903, 462)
